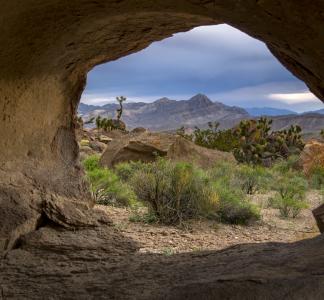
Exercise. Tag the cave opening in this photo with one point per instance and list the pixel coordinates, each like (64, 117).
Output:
(208, 74)
(49, 48)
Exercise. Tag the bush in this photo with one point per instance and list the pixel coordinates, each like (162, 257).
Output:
(106, 187)
(126, 170)
(248, 178)
(286, 165)
(234, 208)
(316, 177)
(290, 195)
(212, 138)
(252, 178)
(175, 191)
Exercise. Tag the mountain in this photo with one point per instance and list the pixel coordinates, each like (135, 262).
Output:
(309, 122)
(85, 108)
(167, 114)
(268, 111)
(320, 111)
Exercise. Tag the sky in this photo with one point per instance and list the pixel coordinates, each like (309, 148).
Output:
(220, 61)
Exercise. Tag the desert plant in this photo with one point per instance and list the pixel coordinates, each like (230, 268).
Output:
(290, 196)
(106, 188)
(259, 145)
(252, 178)
(175, 191)
(234, 207)
(98, 122)
(126, 170)
(212, 137)
(316, 177)
(120, 100)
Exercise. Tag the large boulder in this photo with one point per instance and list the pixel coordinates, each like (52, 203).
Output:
(146, 147)
(312, 156)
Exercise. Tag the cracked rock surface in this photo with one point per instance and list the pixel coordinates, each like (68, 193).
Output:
(100, 263)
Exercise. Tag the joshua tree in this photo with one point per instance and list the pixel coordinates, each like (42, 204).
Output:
(90, 121)
(120, 100)
(79, 121)
(322, 134)
(98, 122)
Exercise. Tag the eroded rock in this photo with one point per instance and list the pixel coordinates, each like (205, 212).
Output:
(148, 146)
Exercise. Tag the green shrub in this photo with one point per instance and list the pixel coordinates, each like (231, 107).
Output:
(290, 196)
(105, 186)
(286, 165)
(316, 177)
(252, 178)
(234, 208)
(248, 178)
(175, 191)
(126, 170)
(91, 163)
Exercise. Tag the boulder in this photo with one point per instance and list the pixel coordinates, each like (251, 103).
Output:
(139, 130)
(105, 139)
(312, 156)
(146, 147)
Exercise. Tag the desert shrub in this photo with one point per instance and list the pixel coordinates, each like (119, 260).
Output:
(248, 178)
(126, 170)
(213, 138)
(286, 165)
(91, 163)
(234, 208)
(252, 178)
(316, 177)
(290, 196)
(175, 192)
(106, 187)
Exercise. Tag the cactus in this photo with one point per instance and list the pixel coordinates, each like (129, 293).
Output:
(258, 145)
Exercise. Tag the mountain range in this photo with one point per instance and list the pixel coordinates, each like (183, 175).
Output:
(166, 114)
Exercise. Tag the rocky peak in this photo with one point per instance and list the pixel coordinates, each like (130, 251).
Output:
(163, 100)
(200, 100)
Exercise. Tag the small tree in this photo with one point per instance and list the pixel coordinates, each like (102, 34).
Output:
(120, 100)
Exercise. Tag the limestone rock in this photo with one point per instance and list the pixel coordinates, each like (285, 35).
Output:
(148, 146)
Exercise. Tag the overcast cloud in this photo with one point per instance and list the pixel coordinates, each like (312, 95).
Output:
(219, 61)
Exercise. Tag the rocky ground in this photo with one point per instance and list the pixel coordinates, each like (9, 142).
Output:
(201, 235)
(125, 260)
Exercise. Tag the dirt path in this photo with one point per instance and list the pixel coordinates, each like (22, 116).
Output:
(209, 235)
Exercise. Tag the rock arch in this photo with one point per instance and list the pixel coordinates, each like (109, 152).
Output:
(47, 48)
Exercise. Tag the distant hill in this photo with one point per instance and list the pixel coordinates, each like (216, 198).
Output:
(320, 111)
(167, 115)
(269, 111)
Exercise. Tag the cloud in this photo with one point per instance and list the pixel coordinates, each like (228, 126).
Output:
(294, 98)
(219, 61)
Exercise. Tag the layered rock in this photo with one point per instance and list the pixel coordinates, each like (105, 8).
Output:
(147, 147)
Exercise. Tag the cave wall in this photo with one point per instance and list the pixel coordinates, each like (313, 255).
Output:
(47, 48)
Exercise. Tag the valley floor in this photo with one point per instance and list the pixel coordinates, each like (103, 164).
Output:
(199, 235)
